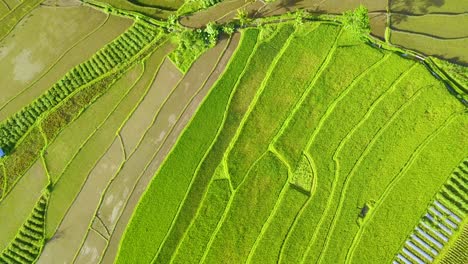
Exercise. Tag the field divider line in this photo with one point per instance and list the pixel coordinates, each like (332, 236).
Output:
(41, 118)
(86, 142)
(257, 96)
(96, 214)
(215, 139)
(6, 5)
(310, 85)
(31, 8)
(274, 211)
(124, 154)
(103, 224)
(397, 178)
(97, 232)
(227, 210)
(218, 131)
(423, 34)
(343, 142)
(314, 134)
(55, 63)
(161, 146)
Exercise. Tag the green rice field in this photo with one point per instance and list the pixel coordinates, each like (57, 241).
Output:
(154, 131)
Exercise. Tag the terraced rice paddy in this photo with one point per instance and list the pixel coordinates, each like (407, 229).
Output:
(291, 140)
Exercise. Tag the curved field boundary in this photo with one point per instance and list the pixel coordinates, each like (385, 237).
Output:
(248, 46)
(191, 100)
(55, 63)
(227, 209)
(319, 72)
(273, 212)
(204, 156)
(418, 150)
(127, 157)
(218, 133)
(335, 159)
(312, 138)
(331, 199)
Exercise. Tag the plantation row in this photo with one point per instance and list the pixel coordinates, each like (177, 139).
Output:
(443, 219)
(28, 243)
(113, 55)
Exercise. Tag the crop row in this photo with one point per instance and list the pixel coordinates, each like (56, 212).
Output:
(27, 245)
(112, 55)
(443, 218)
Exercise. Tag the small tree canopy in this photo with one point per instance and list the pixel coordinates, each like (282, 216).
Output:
(357, 21)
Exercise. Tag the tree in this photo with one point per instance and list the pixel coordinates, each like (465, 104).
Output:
(229, 29)
(242, 16)
(212, 31)
(357, 21)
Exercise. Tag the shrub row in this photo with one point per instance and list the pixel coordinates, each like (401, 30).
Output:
(28, 243)
(113, 54)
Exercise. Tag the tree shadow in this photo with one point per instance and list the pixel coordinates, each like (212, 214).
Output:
(404, 8)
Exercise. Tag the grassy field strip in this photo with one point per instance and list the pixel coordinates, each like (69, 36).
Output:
(433, 150)
(374, 140)
(140, 121)
(372, 88)
(12, 18)
(226, 212)
(441, 26)
(92, 249)
(336, 178)
(308, 208)
(349, 224)
(259, 117)
(238, 103)
(207, 217)
(71, 234)
(268, 247)
(229, 80)
(278, 38)
(212, 83)
(251, 203)
(431, 46)
(304, 95)
(178, 188)
(67, 177)
(17, 206)
(6, 113)
(396, 179)
(321, 95)
(274, 211)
